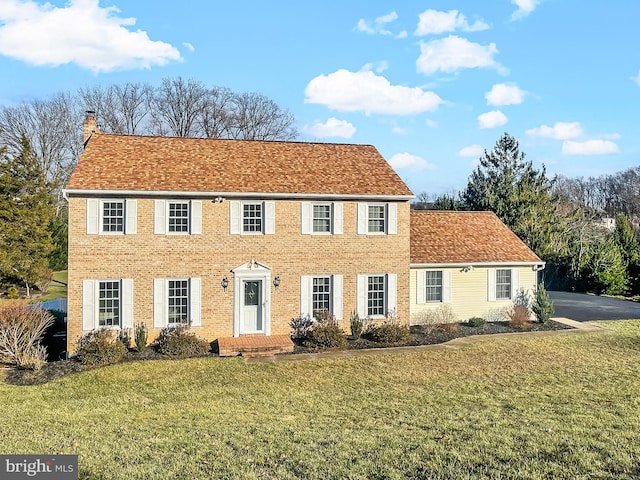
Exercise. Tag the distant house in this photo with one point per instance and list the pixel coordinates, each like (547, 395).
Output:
(232, 237)
(468, 260)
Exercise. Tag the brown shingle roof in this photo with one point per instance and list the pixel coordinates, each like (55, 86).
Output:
(439, 237)
(152, 164)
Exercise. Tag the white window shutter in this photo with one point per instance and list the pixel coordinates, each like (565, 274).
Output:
(363, 213)
(392, 218)
(88, 304)
(93, 206)
(235, 217)
(361, 296)
(159, 302)
(196, 217)
(306, 217)
(195, 300)
(392, 293)
(421, 287)
(160, 217)
(131, 221)
(338, 214)
(306, 303)
(491, 284)
(515, 282)
(446, 286)
(269, 218)
(127, 303)
(337, 296)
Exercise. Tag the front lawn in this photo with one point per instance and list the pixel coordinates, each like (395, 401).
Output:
(565, 406)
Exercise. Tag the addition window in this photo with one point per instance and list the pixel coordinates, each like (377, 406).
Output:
(252, 217)
(321, 218)
(178, 217)
(376, 219)
(109, 304)
(178, 302)
(433, 282)
(113, 216)
(503, 284)
(321, 295)
(375, 295)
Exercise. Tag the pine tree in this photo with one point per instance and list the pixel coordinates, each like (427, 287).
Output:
(26, 210)
(542, 305)
(521, 196)
(627, 242)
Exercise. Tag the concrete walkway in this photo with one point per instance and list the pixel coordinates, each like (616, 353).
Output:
(576, 328)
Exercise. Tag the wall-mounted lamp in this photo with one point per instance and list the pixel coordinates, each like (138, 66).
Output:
(468, 269)
(276, 282)
(218, 199)
(224, 283)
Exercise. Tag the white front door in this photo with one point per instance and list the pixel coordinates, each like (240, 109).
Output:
(251, 310)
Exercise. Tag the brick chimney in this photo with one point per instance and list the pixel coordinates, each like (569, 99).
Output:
(89, 126)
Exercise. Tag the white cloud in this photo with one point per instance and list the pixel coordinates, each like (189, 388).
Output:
(433, 22)
(431, 123)
(525, 7)
(636, 79)
(402, 34)
(590, 147)
(81, 32)
(492, 119)
(378, 24)
(453, 53)
(331, 128)
(410, 162)
(560, 131)
(367, 92)
(505, 94)
(189, 47)
(471, 151)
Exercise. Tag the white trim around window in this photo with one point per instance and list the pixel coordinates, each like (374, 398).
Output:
(166, 224)
(384, 224)
(115, 295)
(315, 221)
(368, 296)
(332, 283)
(161, 300)
(492, 289)
(422, 286)
(241, 224)
(112, 216)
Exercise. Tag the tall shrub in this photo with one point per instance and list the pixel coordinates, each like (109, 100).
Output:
(542, 305)
(21, 331)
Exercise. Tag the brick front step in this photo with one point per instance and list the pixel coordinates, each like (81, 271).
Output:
(254, 345)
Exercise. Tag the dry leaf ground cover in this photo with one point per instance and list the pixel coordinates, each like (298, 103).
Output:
(526, 407)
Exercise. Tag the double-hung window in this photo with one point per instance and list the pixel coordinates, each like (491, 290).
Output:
(252, 217)
(109, 297)
(107, 303)
(113, 216)
(377, 218)
(178, 302)
(322, 218)
(321, 295)
(178, 218)
(503, 284)
(433, 286)
(433, 280)
(376, 296)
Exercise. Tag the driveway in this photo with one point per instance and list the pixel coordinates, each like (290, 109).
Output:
(583, 307)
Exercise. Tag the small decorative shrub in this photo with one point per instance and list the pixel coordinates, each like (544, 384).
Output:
(389, 331)
(542, 305)
(13, 292)
(357, 325)
(141, 335)
(522, 299)
(325, 333)
(500, 314)
(476, 322)
(429, 320)
(181, 342)
(300, 327)
(100, 347)
(449, 327)
(519, 318)
(21, 331)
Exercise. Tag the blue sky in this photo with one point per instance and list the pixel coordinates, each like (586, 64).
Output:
(429, 83)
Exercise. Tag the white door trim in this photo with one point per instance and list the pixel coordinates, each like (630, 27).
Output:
(251, 270)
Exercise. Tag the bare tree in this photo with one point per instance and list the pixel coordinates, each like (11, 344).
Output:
(176, 106)
(215, 118)
(256, 117)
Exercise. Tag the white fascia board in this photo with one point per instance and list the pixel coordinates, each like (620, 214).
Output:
(226, 195)
(541, 265)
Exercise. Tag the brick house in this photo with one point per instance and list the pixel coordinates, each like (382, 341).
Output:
(233, 237)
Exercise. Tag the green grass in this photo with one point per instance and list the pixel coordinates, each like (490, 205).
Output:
(56, 290)
(526, 407)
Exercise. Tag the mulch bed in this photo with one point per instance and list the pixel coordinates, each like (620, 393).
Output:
(418, 336)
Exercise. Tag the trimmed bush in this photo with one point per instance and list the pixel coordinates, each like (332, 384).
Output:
(21, 331)
(476, 322)
(326, 335)
(356, 324)
(13, 292)
(141, 335)
(300, 327)
(100, 347)
(180, 342)
(389, 331)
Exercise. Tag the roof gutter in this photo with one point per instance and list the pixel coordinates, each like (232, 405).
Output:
(536, 266)
(213, 195)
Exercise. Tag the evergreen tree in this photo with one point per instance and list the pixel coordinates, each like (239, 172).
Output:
(521, 196)
(542, 305)
(606, 270)
(26, 210)
(626, 239)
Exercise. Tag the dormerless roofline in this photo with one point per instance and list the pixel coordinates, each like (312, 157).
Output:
(541, 265)
(213, 195)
